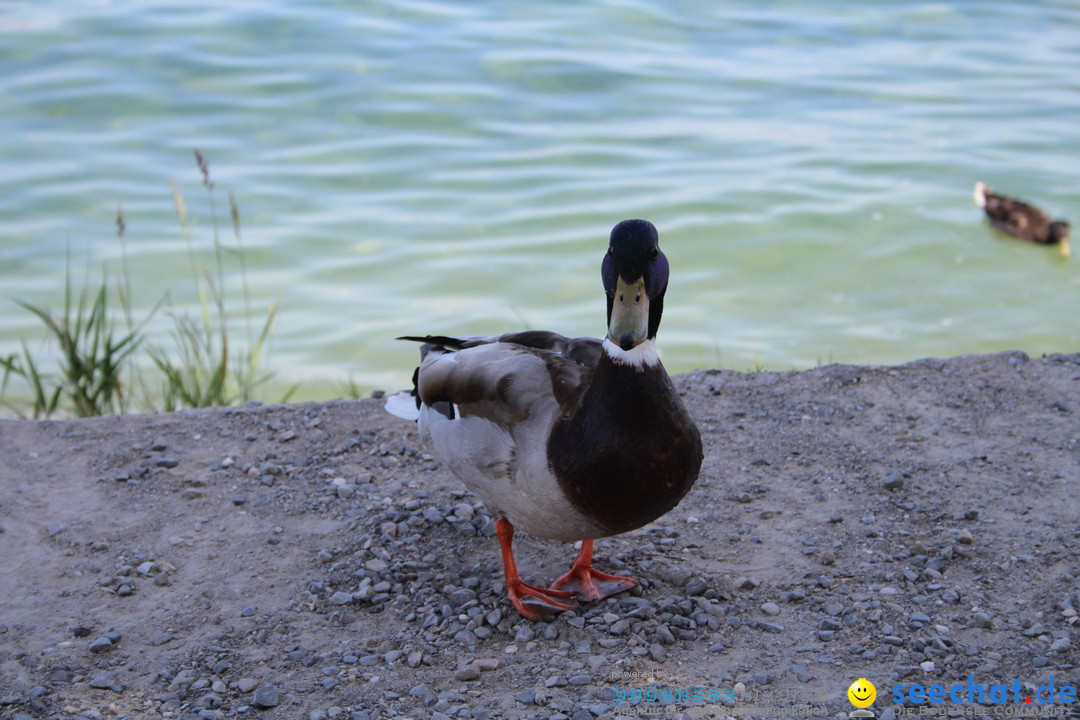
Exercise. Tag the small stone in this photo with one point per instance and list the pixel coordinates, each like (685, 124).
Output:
(1060, 645)
(160, 638)
(770, 608)
(246, 685)
(770, 627)
(287, 436)
(341, 598)
(965, 537)
(657, 652)
(467, 673)
(101, 645)
(893, 481)
(981, 620)
(248, 611)
(266, 696)
(376, 565)
(167, 462)
(103, 681)
(696, 586)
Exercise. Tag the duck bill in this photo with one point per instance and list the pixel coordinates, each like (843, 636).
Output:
(629, 325)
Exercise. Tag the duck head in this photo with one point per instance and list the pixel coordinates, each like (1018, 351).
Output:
(1059, 233)
(635, 275)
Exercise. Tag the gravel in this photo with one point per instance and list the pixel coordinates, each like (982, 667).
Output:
(790, 564)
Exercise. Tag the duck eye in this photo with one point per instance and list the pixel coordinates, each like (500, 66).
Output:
(654, 253)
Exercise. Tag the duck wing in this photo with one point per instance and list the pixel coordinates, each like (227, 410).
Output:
(489, 404)
(1013, 216)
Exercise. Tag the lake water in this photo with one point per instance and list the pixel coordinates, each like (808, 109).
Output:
(455, 167)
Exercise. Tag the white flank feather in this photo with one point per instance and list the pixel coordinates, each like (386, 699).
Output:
(402, 405)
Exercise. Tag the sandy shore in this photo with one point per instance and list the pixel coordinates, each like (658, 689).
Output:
(911, 525)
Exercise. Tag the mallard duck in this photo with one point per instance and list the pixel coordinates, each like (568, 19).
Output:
(1021, 220)
(566, 438)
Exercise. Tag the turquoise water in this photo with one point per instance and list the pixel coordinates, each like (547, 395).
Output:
(422, 166)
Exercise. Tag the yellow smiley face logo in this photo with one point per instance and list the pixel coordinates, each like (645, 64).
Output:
(862, 693)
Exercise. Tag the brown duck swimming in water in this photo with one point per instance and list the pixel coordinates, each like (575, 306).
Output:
(1022, 220)
(565, 438)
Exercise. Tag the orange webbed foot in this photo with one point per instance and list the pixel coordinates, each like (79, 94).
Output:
(538, 603)
(587, 582)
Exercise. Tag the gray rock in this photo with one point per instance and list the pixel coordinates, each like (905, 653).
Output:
(467, 673)
(105, 681)
(893, 481)
(696, 586)
(160, 638)
(266, 696)
(101, 645)
(341, 598)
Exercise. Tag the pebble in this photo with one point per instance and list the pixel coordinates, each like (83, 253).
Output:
(770, 608)
(696, 586)
(104, 681)
(893, 481)
(467, 673)
(376, 565)
(101, 645)
(266, 696)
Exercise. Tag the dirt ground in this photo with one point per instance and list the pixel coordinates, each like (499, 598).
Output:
(912, 525)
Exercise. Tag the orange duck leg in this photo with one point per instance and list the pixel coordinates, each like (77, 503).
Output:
(533, 602)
